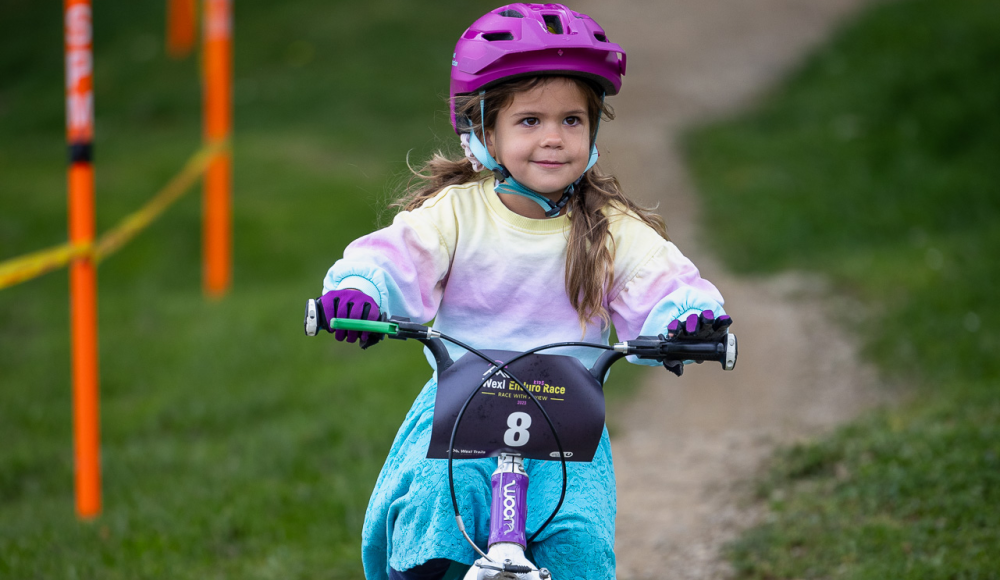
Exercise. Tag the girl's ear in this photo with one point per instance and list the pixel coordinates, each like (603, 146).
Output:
(489, 143)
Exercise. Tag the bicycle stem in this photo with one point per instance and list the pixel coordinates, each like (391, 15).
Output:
(509, 508)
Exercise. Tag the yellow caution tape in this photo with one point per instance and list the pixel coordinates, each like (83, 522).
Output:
(24, 268)
(137, 221)
(32, 265)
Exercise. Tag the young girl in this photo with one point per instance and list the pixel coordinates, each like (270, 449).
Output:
(522, 242)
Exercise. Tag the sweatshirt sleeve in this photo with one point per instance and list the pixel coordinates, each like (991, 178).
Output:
(403, 267)
(664, 286)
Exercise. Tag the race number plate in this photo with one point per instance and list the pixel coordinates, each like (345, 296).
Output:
(501, 418)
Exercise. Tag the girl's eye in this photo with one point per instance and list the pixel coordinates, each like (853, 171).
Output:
(572, 121)
(529, 121)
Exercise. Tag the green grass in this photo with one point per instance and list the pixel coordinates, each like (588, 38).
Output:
(876, 165)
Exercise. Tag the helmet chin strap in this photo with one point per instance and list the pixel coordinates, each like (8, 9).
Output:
(506, 182)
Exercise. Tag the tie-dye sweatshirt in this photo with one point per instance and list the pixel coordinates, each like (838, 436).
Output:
(495, 279)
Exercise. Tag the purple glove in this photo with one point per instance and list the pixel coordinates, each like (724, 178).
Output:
(696, 328)
(699, 328)
(349, 303)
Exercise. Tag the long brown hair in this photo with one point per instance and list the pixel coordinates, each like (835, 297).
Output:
(590, 257)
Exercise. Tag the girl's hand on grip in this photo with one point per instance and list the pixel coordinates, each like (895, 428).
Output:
(704, 327)
(350, 303)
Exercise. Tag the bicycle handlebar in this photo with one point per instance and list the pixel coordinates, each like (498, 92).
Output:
(666, 349)
(657, 348)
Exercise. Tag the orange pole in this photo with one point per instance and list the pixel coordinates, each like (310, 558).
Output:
(83, 271)
(217, 71)
(180, 27)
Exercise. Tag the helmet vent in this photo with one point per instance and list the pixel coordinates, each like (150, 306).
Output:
(491, 36)
(512, 14)
(553, 24)
(600, 37)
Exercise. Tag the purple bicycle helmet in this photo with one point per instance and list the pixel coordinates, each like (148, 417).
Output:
(533, 39)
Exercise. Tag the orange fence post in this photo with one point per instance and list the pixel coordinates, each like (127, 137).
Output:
(217, 71)
(83, 271)
(180, 27)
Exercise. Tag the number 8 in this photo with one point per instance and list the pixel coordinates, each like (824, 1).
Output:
(518, 434)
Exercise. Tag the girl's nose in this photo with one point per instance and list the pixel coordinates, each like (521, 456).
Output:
(552, 138)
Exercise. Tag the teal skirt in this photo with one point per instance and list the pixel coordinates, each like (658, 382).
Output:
(410, 518)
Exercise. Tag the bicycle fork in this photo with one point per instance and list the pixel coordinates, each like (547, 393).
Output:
(505, 557)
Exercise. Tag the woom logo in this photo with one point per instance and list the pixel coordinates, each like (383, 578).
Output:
(509, 505)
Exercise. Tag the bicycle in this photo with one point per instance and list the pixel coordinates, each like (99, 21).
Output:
(504, 418)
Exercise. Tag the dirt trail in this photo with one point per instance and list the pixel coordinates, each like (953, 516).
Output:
(686, 448)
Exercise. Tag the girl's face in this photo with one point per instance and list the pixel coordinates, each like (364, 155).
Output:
(543, 136)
